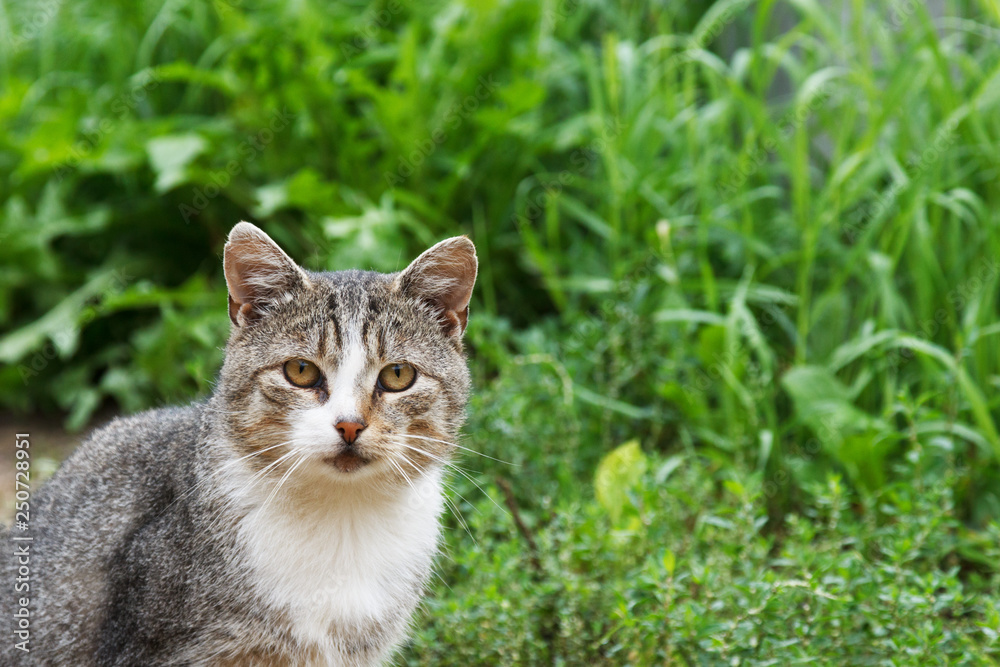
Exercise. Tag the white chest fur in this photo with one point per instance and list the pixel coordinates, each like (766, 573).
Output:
(344, 567)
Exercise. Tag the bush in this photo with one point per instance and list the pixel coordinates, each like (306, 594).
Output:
(757, 239)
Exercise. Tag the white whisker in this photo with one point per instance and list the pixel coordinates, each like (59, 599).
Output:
(253, 479)
(451, 488)
(391, 461)
(281, 482)
(458, 470)
(461, 519)
(261, 473)
(199, 484)
(452, 444)
(451, 505)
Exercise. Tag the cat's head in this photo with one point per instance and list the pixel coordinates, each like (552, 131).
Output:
(354, 374)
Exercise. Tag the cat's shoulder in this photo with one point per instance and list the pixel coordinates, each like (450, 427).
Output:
(158, 424)
(151, 435)
(123, 469)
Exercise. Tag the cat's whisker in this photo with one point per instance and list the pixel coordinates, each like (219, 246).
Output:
(477, 485)
(453, 508)
(262, 472)
(458, 470)
(451, 505)
(392, 462)
(458, 513)
(225, 466)
(281, 482)
(461, 519)
(259, 475)
(452, 488)
(439, 459)
(452, 444)
(433, 457)
(403, 457)
(255, 454)
(259, 452)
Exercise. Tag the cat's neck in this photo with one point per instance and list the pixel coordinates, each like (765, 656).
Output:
(342, 558)
(319, 492)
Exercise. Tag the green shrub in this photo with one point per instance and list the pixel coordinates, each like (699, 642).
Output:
(701, 578)
(758, 238)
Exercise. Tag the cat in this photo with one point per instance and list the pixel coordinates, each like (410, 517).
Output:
(292, 518)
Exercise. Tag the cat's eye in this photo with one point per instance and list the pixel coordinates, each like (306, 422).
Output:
(302, 373)
(397, 377)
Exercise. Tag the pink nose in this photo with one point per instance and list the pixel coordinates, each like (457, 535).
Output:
(350, 430)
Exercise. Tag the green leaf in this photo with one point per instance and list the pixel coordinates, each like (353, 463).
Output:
(170, 157)
(616, 474)
(614, 405)
(669, 562)
(60, 324)
(856, 440)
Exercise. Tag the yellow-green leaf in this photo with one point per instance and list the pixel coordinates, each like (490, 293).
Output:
(616, 474)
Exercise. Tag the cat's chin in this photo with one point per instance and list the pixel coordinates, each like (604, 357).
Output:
(348, 463)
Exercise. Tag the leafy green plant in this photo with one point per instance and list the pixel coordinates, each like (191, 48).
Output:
(758, 238)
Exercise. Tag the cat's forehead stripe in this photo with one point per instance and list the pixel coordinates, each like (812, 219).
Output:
(331, 308)
(356, 307)
(353, 299)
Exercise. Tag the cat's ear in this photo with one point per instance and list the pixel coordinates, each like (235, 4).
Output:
(259, 274)
(443, 277)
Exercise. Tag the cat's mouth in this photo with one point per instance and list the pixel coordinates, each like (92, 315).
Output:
(347, 461)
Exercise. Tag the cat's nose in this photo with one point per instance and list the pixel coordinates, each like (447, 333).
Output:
(350, 430)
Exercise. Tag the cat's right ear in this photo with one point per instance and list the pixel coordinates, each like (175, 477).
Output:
(258, 273)
(442, 277)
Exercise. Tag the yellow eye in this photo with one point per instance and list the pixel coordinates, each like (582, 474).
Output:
(302, 373)
(397, 377)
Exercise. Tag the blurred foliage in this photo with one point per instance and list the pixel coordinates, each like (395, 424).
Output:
(759, 239)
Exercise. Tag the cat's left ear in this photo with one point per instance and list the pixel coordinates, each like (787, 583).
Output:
(258, 273)
(443, 277)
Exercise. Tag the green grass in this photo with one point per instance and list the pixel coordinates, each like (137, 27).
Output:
(761, 239)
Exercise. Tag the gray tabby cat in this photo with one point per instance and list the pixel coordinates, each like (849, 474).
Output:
(292, 518)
